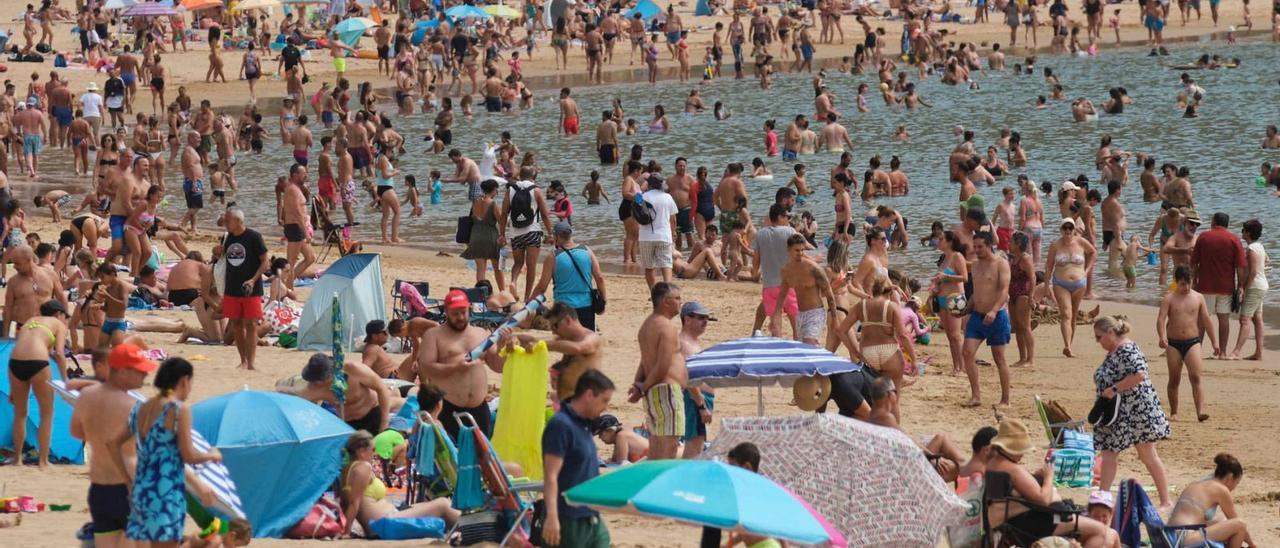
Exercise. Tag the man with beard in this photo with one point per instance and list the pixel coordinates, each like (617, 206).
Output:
(445, 362)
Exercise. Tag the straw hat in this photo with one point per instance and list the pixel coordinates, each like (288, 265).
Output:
(1012, 437)
(811, 392)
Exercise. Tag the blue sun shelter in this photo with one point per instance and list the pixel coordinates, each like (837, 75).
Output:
(704, 8)
(357, 281)
(63, 448)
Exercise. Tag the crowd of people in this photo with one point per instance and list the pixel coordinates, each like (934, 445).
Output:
(996, 272)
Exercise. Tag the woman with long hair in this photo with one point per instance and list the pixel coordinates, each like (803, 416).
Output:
(949, 300)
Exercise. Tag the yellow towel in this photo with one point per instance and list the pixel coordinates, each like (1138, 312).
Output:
(517, 436)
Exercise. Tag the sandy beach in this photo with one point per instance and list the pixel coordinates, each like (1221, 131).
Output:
(1239, 398)
(1240, 394)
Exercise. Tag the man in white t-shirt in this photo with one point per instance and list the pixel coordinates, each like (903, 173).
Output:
(91, 104)
(655, 238)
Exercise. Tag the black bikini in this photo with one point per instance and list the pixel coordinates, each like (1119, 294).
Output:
(24, 370)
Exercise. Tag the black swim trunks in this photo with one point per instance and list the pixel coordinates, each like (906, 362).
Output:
(371, 422)
(293, 233)
(183, 297)
(481, 413)
(108, 508)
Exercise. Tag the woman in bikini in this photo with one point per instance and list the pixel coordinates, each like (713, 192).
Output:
(1066, 269)
(1031, 216)
(108, 157)
(364, 496)
(875, 262)
(1201, 501)
(948, 289)
(560, 43)
(40, 338)
(844, 227)
(155, 150)
(884, 342)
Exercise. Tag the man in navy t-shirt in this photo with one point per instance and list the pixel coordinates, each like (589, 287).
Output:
(568, 459)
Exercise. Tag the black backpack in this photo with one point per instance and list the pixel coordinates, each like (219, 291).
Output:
(642, 211)
(522, 213)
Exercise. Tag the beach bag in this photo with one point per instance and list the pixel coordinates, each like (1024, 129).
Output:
(1073, 467)
(463, 235)
(324, 520)
(968, 533)
(522, 214)
(642, 211)
(407, 528)
(597, 300)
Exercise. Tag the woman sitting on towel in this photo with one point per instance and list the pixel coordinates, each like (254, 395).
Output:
(1209, 501)
(1026, 526)
(364, 496)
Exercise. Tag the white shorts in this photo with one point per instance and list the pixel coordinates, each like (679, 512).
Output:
(1252, 302)
(1218, 304)
(811, 323)
(655, 254)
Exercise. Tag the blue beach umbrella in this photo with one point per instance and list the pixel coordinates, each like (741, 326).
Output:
(703, 492)
(464, 11)
(422, 29)
(350, 30)
(282, 452)
(646, 8)
(761, 361)
(63, 447)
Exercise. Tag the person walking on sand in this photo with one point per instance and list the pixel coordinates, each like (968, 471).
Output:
(1182, 318)
(1256, 263)
(811, 288)
(247, 262)
(655, 240)
(293, 217)
(568, 459)
(989, 318)
(1070, 258)
(1218, 268)
(662, 375)
(524, 208)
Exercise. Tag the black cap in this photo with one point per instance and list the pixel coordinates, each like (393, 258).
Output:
(374, 327)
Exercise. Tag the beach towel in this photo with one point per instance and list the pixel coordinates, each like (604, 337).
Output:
(1132, 509)
(517, 434)
(468, 493)
(408, 528)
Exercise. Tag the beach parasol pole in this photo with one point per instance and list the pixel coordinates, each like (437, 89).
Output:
(760, 398)
(339, 386)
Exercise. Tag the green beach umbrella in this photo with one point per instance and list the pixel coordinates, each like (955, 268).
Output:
(339, 386)
(703, 492)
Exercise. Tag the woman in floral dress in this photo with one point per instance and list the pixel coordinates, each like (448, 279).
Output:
(161, 427)
(1140, 420)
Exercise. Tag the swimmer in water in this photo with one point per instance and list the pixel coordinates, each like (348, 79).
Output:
(759, 170)
(901, 134)
(802, 187)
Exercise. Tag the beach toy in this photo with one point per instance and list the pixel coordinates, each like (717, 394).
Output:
(1260, 181)
(530, 307)
(1152, 258)
(517, 434)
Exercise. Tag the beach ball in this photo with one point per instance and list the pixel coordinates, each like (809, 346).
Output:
(1260, 181)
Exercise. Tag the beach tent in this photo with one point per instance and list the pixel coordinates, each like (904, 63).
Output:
(282, 451)
(703, 8)
(63, 448)
(646, 8)
(557, 9)
(357, 281)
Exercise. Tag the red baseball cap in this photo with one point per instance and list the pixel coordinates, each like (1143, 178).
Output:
(129, 356)
(456, 298)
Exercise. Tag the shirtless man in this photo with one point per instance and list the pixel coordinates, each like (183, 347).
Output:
(726, 197)
(568, 113)
(673, 29)
(1004, 218)
(1151, 189)
(374, 355)
(811, 286)
(128, 67)
(465, 172)
(382, 40)
(345, 182)
(369, 403)
(995, 60)
(301, 139)
(609, 30)
(99, 418)
(607, 139)
(834, 137)
(1179, 246)
(33, 127)
(60, 111)
(30, 287)
(358, 144)
(582, 349)
(1182, 320)
(1272, 140)
(678, 185)
(662, 375)
(445, 362)
(593, 42)
(989, 319)
(184, 279)
(791, 139)
(203, 124)
(224, 142)
(1113, 226)
(294, 219)
(192, 184)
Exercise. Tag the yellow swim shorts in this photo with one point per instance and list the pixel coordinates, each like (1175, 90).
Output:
(339, 64)
(664, 410)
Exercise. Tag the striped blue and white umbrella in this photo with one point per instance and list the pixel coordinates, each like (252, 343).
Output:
(763, 361)
(214, 474)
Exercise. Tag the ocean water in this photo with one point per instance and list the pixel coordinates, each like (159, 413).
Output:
(1221, 147)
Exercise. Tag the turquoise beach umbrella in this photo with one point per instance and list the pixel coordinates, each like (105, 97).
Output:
(703, 492)
(464, 11)
(350, 30)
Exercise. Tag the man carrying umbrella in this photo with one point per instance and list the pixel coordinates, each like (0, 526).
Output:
(662, 374)
(568, 459)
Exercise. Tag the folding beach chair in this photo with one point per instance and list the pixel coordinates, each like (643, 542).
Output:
(433, 461)
(404, 307)
(492, 510)
(1134, 512)
(332, 235)
(998, 489)
(1054, 430)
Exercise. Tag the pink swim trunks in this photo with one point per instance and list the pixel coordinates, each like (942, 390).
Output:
(769, 296)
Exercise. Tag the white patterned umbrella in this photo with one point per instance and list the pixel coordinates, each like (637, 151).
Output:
(873, 483)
